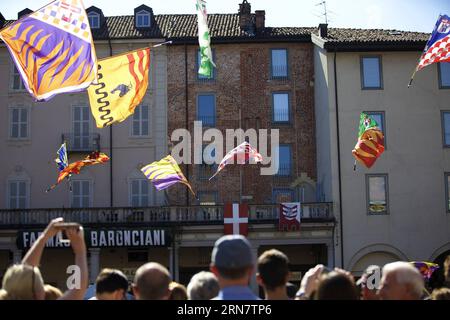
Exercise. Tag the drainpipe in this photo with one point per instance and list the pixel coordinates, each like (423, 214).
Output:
(186, 110)
(339, 161)
(111, 194)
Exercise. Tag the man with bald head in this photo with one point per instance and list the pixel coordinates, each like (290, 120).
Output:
(401, 281)
(151, 282)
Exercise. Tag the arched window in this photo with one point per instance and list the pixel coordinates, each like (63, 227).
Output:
(143, 19)
(94, 20)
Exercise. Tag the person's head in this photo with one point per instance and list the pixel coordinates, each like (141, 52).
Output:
(151, 282)
(440, 294)
(203, 286)
(273, 270)
(111, 284)
(177, 291)
(336, 285)
(52, 293)
(401, 281)
(368, 283)
(447, 268)
(23, 282)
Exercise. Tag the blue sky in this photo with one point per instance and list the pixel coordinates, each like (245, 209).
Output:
(411, 15)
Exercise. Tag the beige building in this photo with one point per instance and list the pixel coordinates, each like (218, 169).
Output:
(398, 209)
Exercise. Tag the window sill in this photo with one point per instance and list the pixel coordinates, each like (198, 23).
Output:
(371, 88)
(18, 142)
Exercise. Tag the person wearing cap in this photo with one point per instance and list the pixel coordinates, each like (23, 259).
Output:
(369, 287)
(232, 262)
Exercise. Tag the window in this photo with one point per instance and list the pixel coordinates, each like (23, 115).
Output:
(206, 109)
(139, 193)
(279, 66)
(81, 194)
(284, 160)
(94, 20)
(378, 116)
(142, 19)
(140, 122)
(281, 195)
(208, 167)
(445, 115)
(17, 194)
(371, 75)
(16, 83)
(207, 198)
(19, 123)
(280, 107)
(81, 128)
(377, 194)
(447, 191)
(444, 75)
(199, 61)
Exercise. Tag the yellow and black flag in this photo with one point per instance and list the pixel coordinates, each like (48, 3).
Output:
(122, 84)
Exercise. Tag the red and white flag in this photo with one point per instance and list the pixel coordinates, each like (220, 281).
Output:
(289, 216)
(235, 219)
(242, 154)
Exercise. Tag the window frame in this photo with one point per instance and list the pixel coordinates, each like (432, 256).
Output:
(90, 195)
(289, 112)
(377, 175)
(290, 160)
(72, 121)
(283, 189)
(96, 15)
(130, 193)
(271, 64)
(380, 70)
(443, 112)
(27, 193)
(143, 13)
(28, 123)
(216, 196)
(441, 86)
(13, 74)
(215, 108)
(383, 118)
(197, 65)
(132, 120)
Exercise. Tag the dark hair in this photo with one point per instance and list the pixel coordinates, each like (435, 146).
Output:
(336, 286)
(273, 268)
(441, 294)
(291, 290)
(232, 273)
(447, 267)
(110, 280)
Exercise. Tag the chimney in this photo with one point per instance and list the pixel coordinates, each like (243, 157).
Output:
(260, 20)
(323, 30)
(24, 12)
(245, 17)
(2, 20)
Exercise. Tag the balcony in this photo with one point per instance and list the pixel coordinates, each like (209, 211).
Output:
(84, 143)
(162, 216)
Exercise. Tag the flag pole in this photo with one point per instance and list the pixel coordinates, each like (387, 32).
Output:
(412, 77)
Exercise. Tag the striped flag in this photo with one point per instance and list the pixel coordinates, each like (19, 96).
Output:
(53, 49)
(75, 167)
(243, 153)
(370, 143)
(164, 173)
(235, 219)
(204, 40)
(62, 161)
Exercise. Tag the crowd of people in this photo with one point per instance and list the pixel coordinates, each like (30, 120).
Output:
(232, 267)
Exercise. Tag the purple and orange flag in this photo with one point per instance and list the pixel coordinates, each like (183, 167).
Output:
(53, 49)
(370, 143)
(425, 268)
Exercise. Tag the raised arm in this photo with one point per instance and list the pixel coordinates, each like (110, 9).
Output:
(34, 254)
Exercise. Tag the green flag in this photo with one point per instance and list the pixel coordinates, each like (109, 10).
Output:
(366, 122)
(204, 39)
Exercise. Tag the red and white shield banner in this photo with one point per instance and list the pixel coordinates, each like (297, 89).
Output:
(235, 219)
(289, 216)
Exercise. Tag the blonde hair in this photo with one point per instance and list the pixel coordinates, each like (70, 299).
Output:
(52, 293)
(22, 282)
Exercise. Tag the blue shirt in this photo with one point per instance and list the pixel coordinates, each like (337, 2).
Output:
(236, 293)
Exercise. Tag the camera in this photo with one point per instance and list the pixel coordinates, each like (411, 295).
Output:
(62, 227)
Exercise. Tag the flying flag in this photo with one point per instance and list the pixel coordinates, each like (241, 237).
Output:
(204, 40)
(53, 50)
(122, 84)
(243, 153)
(235, 219)
(370, 143)
(289, 216)
(75, 167)
(62, 161)
(164, 173)
(425, 268)
(437, 48)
